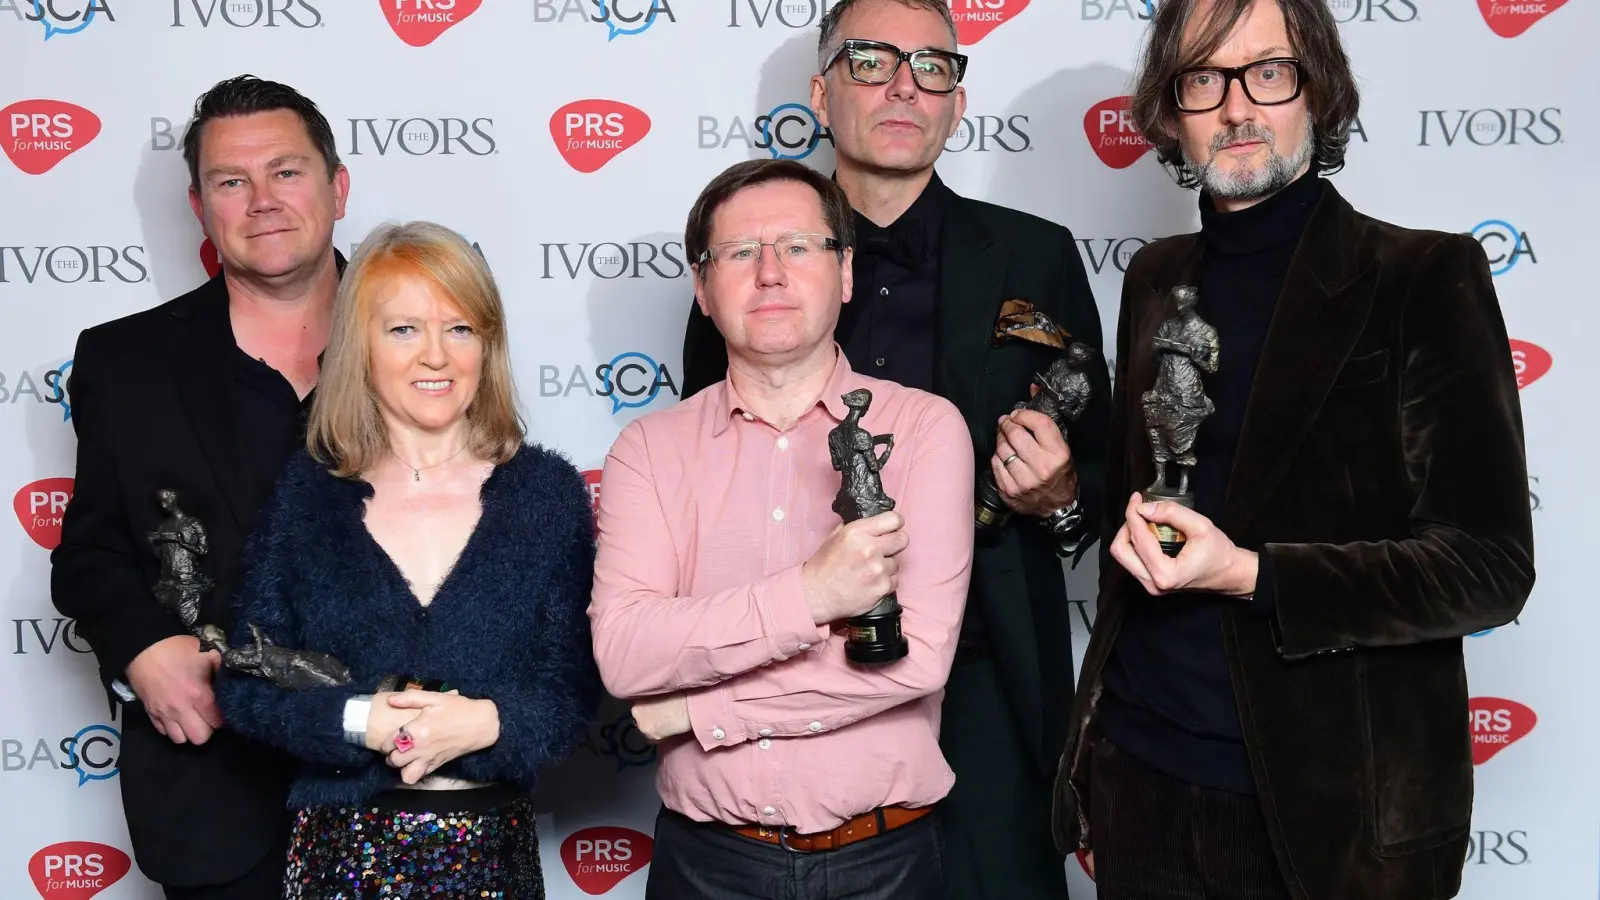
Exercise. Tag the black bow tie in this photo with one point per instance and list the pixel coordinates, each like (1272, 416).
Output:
(907, 242)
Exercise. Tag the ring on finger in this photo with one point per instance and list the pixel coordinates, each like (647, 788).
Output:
(1008, 460)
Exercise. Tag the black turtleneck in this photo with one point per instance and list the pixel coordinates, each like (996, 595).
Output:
(1168, 698)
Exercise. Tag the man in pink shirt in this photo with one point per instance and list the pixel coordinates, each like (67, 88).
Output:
(724, 578)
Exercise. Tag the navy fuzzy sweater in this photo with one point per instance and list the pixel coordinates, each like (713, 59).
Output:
(509, 623)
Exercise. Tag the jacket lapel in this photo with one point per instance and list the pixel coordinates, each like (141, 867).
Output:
(200, 353)
(972, 269)
(1327, 294)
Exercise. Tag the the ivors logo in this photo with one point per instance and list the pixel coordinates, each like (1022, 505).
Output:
(976, 18)
(420, 22)
(1109, 126)
(39, 508)
(598, 858)
(1509, 18)
(1531, 361)
(590, 133)
(39, 134)
(77, 870)
(1496, 725)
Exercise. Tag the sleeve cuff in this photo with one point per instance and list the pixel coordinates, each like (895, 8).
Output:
(711, 719)
(1264, 603)
(793, 631)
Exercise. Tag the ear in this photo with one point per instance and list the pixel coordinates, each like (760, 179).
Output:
(699, 292)
(197, 206)
(341, 190)
(961, 111)
(847, 278)
(819, 99)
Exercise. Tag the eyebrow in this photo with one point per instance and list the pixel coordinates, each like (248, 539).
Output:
(273, 163)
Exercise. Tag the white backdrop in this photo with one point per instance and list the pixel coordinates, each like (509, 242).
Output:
(459, 111)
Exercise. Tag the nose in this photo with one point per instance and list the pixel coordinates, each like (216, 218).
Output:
(903, 86)
(263, 199)
(769, 271)
(1237, 107)
(433, 354)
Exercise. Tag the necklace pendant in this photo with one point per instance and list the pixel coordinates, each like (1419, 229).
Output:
(415, 475)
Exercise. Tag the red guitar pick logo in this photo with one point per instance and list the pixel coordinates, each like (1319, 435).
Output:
(40, 506)
(420, 22)
(591, 477)
(1509, 18)
(210, 258)
(1531, 362)
(38, 134)
(976, 18)
(77, 870)
(1496, 725)
(598, 858)
(589, 133)
(1083, 863)
(1112, 134)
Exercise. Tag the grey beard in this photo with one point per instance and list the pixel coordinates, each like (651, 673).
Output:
(1253, 183)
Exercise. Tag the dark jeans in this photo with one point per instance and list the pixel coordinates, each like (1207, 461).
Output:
(1158, 838)
(264, 882)
(699, 861)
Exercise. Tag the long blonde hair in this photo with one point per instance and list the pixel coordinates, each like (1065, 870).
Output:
(346, 430)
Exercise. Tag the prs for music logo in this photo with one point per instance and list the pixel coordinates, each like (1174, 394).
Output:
(1531, 361)
(1496, 725)
(1510, 18)
(1112, 134)
(77, 870)
(420, 22)
(976, 18)
(39, 507)
(599, 858)
(590, 133)
(38, 134)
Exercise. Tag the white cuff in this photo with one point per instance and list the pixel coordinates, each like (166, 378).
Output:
(356, 711)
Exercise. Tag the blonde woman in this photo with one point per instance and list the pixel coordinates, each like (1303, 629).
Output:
(423, 543)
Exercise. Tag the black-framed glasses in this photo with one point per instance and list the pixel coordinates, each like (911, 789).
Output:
(1268, 82)
(874, 62)
(792, 251)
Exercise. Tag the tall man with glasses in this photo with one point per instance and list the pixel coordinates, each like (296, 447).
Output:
(726, 574)
(933, 272)
(1279, 710)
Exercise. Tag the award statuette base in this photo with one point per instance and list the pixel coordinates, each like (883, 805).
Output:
(875, 637)
(991, 513)
(1170, 539)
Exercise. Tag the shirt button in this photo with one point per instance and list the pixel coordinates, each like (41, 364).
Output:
(765, 732)
(814, 726)
(718, 733)
(883, 292)
(768, 811)
(805, 646)
(778, 514)
(764, 744)
(879, 361)
(783, 442)
(749, 418)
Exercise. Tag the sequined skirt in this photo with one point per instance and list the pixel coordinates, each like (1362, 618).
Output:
(479, 843)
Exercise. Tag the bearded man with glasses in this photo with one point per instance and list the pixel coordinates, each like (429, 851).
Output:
(940, 280)
(1278, 710)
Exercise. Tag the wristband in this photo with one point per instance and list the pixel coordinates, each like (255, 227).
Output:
(356, 711)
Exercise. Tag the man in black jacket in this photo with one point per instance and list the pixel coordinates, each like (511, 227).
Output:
(1280, 711)
(935, 275)
(205, 395)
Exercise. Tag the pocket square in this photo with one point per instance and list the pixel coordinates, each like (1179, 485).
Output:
(1019, 320)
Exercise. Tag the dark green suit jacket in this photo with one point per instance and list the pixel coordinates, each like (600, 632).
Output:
(989, 254)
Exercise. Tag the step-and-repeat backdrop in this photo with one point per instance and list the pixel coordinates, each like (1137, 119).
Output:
(567, 138)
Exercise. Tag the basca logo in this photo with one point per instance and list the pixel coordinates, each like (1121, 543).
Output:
(1496, 725)
(789, 131)
(1098, 253)
(420, 22)
(1531, 362)
(1503, 244)
(26, 385)
(1497, 848)
(1346, 12)
(976, 18)
(92, 753)
(611, 260)
(1357, 130)
(622, 741)
(1518, 621)
(621, 17)
(39, 134)
(599, 858)
(40, 506)
(630, 380)
(1510, 18)
(31, 634)
(1123, 10)
(59, 16)
(77, 870)
(590, 133)
(1112, 134)
(788, 13)
(422, 137)
(73, 265)
(984, 134)
(1488, 127)
(246, 13)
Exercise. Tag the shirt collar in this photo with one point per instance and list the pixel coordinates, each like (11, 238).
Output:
(842, 381)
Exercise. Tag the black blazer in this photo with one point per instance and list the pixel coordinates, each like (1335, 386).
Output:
(151, 405)
(1380, 471)
(990, 254)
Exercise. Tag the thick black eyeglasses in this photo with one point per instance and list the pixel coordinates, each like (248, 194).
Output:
(1268, 82)
(874, 62)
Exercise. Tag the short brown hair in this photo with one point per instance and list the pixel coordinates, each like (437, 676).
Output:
(829, 41)
(245, 95)
(346, 430)
(1330, 88)
(836, 209)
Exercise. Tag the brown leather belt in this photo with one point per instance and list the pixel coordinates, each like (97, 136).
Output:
(870, 824)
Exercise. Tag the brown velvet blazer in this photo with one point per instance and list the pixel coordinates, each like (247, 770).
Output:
(1381, 470)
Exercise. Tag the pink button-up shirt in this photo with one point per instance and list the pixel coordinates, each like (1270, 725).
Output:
(706, 515)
